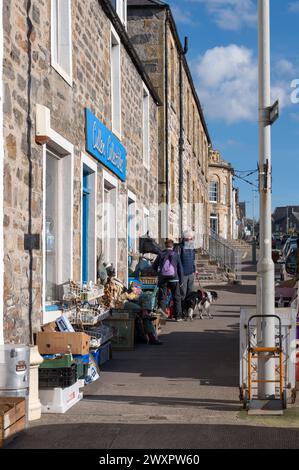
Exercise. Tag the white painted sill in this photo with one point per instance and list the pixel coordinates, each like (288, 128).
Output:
(67, 78)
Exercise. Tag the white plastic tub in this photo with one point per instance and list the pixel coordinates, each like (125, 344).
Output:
(60, 400)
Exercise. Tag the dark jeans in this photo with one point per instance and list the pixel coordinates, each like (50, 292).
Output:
(187, 286)
(176, 296)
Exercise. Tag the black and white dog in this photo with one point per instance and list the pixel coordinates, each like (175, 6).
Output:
(200, 300)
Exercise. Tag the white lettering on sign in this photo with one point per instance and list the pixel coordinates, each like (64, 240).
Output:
(113, 156)
(97, 142)
(109, 152)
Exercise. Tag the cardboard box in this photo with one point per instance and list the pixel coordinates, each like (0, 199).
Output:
(50, 327)
(64, 324)
(62, 343)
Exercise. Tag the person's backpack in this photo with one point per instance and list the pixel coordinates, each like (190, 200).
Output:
(168, 269)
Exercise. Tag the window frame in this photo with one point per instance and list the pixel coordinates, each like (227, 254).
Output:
(64, 152)
(214, 217)
(121, 8)
(146, 128)
(67, 77)
(146, 215)
(117, 130)
(113, 182)
(173, 182)
(132, 201)
(172, 74)
(216, 192)
(93, 173)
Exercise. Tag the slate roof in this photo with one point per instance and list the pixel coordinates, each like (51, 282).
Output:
(280, 213)
(146, 3)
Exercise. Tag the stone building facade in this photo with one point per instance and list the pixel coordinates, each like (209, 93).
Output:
(285, 220)
(222, 197)
(80, 129)
(183, 135)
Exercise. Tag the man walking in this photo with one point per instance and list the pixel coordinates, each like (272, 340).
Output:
(187, 255)
(170, 274)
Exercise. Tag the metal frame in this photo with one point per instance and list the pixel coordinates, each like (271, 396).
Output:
(274, 353)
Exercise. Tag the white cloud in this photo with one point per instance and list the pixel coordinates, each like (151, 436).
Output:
(294, 116)
(294, 7)
(183, 16)
(227, 79)
(231, 14)
(285, 67)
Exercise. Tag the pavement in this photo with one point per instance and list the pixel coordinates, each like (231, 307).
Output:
(180, 395)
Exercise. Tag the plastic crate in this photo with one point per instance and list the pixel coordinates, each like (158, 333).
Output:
(60, 400)
(82, 370)
(98, 335)
(148, 299)
(62, 377)
(57, 362)
(149, 280)
(102, 354)
(85, 359)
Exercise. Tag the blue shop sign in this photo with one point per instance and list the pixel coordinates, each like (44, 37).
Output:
(103, 145)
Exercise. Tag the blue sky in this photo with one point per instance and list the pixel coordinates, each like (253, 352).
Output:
(223, 59)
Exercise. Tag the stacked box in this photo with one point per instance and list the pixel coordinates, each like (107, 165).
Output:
(102, 354)
(57, 362)
(57, 377)
(82, 370)
(84, 359)
(60, 400)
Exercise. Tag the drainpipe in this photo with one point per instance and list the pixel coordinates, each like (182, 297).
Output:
(166, 159)
(34, 404)
(1, 179)
(29, 156)
(181, 139)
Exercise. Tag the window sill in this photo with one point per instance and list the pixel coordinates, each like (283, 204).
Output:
(52, 307)
(117, 134)
(67, 78)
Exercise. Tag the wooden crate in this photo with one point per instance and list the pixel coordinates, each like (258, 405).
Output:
(12, 417)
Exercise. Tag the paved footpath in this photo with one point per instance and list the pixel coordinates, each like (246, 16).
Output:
(183, 394)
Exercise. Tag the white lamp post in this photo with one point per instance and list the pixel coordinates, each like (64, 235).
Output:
(265, 284)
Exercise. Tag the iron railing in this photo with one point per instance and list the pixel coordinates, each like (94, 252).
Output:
(220, 251)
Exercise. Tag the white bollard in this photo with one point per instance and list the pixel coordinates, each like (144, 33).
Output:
(34, 402)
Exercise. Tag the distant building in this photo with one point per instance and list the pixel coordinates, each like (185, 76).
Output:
(285, 219)
(242, 220)
(221, 196)
(184, 139)
(235, 214)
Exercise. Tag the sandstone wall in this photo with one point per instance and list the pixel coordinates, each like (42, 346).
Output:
(91, 89)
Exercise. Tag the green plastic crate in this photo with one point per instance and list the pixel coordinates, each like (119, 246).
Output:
(82, 370)
(57, 363)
